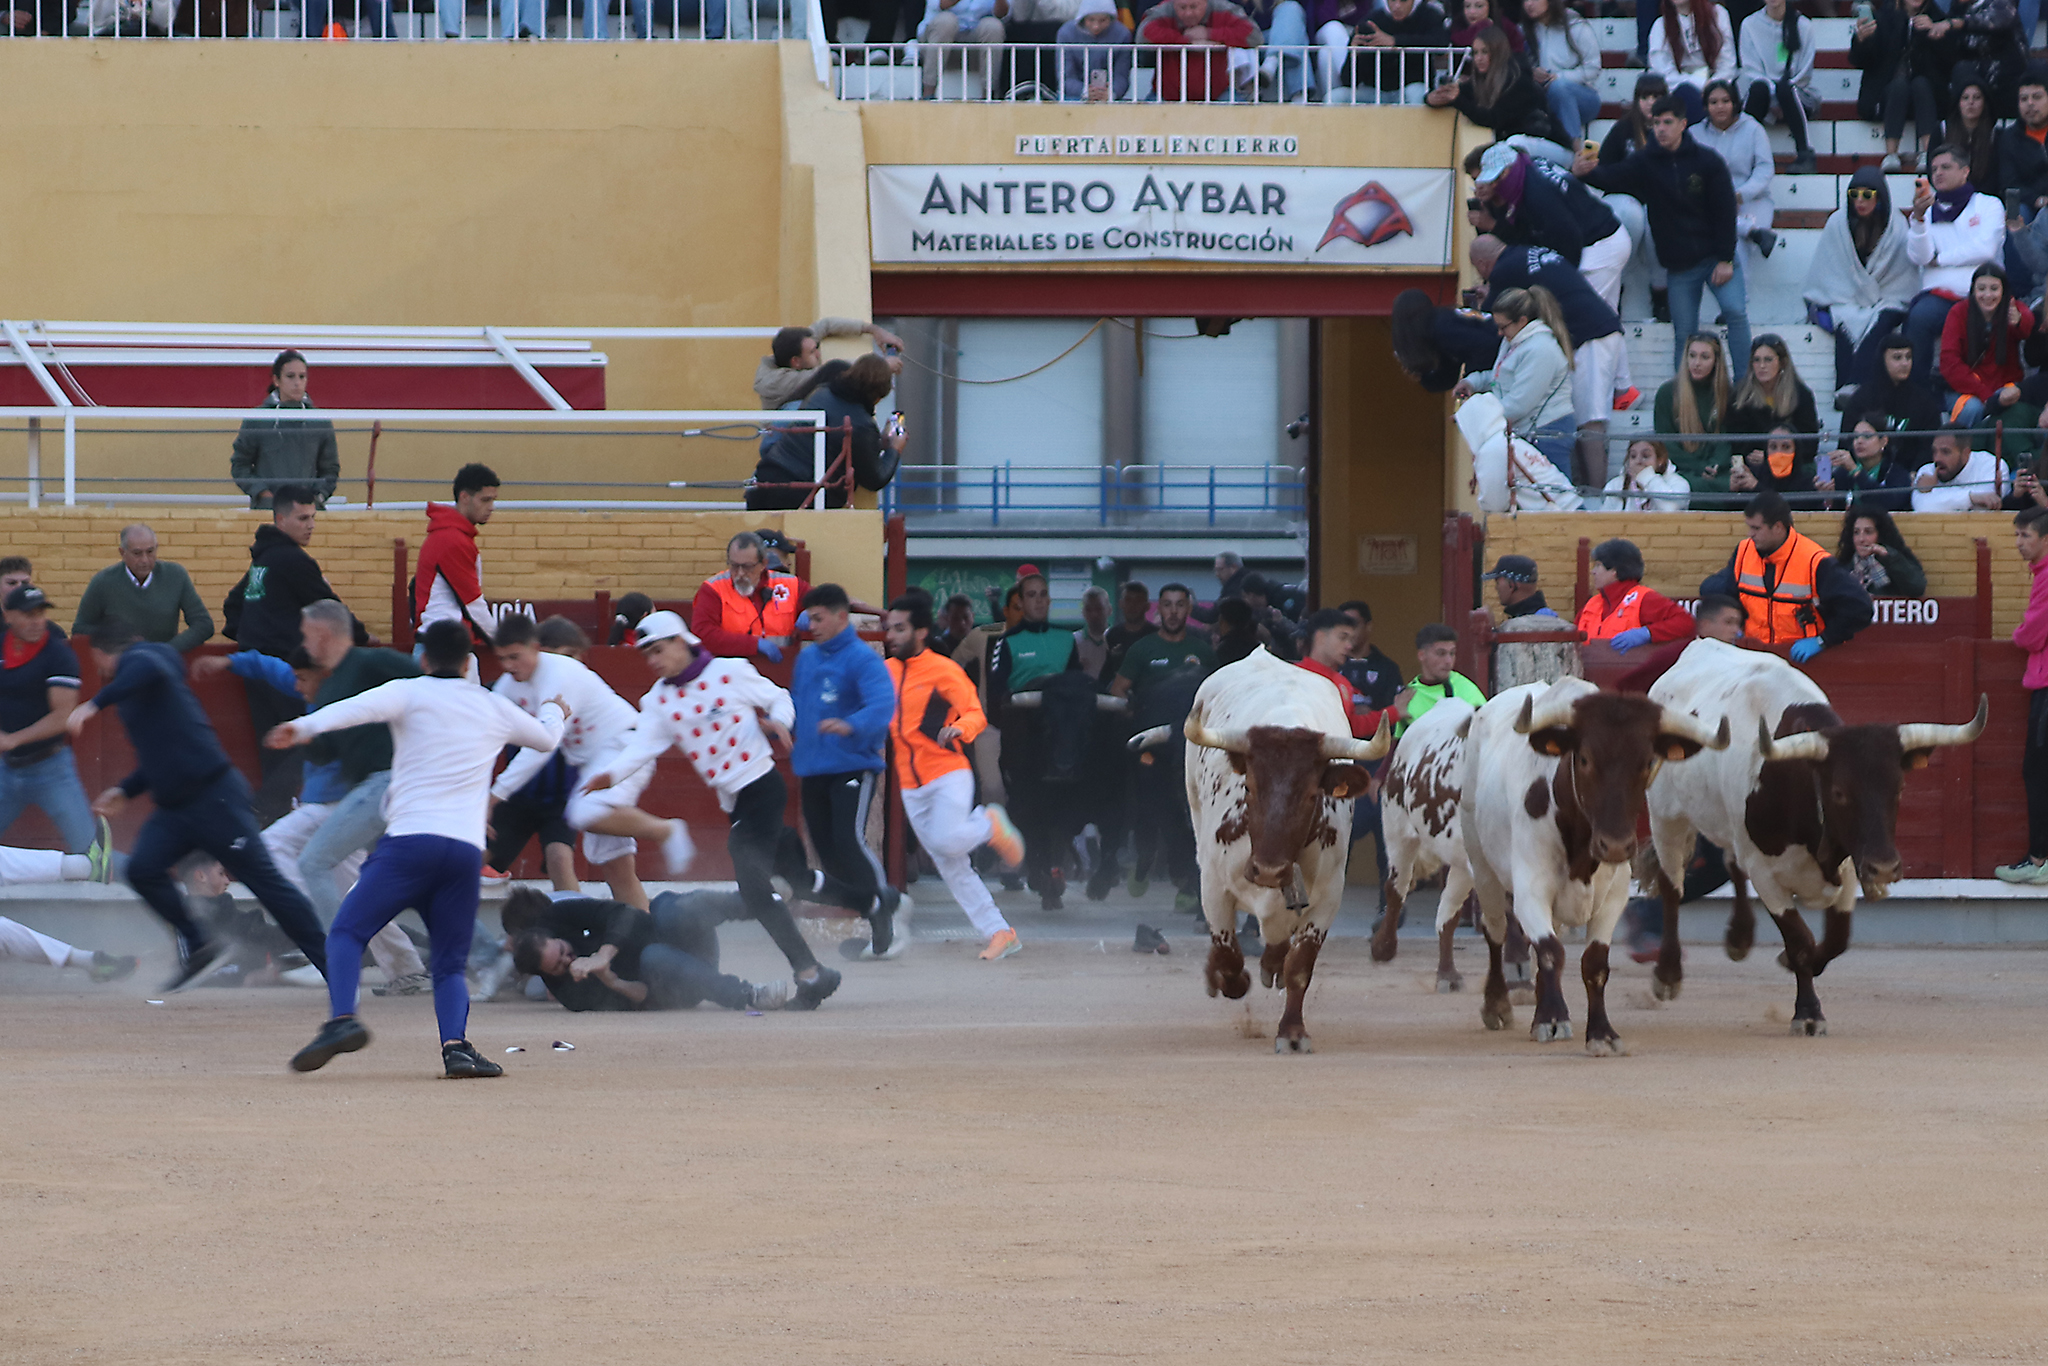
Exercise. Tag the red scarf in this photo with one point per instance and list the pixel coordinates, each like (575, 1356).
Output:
(14, 654)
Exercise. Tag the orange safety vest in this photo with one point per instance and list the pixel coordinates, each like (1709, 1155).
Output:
(1788, 609)
(744, 616)
(1626, 617)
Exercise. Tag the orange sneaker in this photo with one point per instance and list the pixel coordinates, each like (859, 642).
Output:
(1625, 399)
(1001, 944)
(1003, 837)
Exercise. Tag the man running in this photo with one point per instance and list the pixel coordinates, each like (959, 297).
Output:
(202, 800)
(720, 713)
(611, 823)
(937, 717)
(445, 733)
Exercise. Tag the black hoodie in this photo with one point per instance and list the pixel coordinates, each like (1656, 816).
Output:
(262, 610)
(1690, 199)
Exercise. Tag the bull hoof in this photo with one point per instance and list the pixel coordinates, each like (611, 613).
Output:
(1606, 1048)
(1300, 1045)
(1267, 978)
(1383, 952)
(1663, 990)
(1736, 952)
(1551, 1031)
(1808, 1029)
(1447, 982)
(1237, 986)
(1496, 1014)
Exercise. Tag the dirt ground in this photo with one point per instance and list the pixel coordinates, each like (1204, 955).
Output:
(1074, 1154)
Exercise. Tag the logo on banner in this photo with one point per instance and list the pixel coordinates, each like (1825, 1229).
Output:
(1367, 216)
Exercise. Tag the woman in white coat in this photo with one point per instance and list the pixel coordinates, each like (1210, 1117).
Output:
(1532, 377)
(1774, 66)
(1689, 50)
(1861, 281)
(1742, 142)
(1646, 472)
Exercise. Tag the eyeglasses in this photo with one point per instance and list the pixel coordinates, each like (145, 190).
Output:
(1861, 192)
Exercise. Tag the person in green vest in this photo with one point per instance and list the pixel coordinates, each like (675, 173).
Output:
(1030, 651)
(1436, 652)
(147, 593)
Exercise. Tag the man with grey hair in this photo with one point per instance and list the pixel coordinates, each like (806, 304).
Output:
(1231, 575)
(148, 593)
(1091, 642)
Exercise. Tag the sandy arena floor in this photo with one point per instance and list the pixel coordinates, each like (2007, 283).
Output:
(1071, 1155)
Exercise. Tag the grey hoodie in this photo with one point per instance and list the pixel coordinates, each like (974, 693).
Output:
(274, 450)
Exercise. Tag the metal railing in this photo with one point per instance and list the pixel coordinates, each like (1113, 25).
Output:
(417, 20)
(1090, 73)
(1067, 496)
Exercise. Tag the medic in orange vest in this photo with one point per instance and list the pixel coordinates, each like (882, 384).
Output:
(750, 609)
(1621, 611)
(1794, 591)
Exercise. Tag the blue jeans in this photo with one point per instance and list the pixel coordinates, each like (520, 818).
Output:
(50, 783)
(530, 17)
(1685, 310)
(1290, 29)
(597, 19)
(219, 821)
(713, 14)
(1924, 321)
(436, 876)
(356, 822)
(681, 967)
(1571, 104)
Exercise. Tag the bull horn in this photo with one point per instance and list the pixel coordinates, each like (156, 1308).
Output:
(1027, 700)
(1229, 741)
(1361, 751)
(1920, 735)
(1106, 702)
(1553, 714)
(1689, 727)
(1808, 744)
(1149, 739)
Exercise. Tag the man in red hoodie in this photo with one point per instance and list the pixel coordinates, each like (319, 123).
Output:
(1621, 611)
(448, 583)
(2030, 537)
(1211, 27)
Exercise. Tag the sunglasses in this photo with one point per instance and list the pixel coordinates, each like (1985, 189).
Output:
(1861, 193)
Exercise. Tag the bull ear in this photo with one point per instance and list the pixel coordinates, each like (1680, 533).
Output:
(1345, 780)
(1915, 758)
(1675, 748)
(1554, 740)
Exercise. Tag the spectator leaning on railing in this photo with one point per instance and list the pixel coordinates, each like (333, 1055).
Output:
(1621, 611)
(278, 450)
(1496, 90)
(1095, 54)
(1861, 282)
(1876, 555)
(1647, 482)
(1959, 479)
(1210, 27)
(846, 408)
(781, 374)
(1435, 345)
(1533, 379)
(1391, 23)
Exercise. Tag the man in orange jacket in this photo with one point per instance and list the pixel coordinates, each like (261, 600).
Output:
(749, 610)
(937, 717)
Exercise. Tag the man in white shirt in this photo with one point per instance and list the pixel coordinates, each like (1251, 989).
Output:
(721, 714)
(1950, 231)
(602, 721)
(446, 733)
(1960, 479)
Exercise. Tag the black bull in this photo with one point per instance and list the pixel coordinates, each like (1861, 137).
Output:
(1063, 767)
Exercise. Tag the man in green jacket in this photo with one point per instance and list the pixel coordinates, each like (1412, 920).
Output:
(147, 593)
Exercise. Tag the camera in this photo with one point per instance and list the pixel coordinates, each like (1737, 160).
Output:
(1295, 428)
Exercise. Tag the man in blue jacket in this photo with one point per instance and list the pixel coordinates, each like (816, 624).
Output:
(844, 701)
(202, 800)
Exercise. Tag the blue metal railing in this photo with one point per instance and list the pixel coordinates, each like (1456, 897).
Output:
(1109, 495)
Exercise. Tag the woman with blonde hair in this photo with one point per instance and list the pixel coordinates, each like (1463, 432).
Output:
(1696, 401)
(1772, 396)
(1532, 377)
(1647, 470)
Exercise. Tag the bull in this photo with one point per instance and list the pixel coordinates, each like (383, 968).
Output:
(1806, 807)
(1271, 768)
(1419, 820)
(1059, 767)
(1554, 780)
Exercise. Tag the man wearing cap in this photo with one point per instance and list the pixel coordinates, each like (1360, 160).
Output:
(38, 689)
(722, 714)
(1523, 609)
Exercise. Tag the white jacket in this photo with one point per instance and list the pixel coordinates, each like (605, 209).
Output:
(710, 715)
(1760, 56)
(1746, 148)
(599, 719)
(1532, 378)
(1670, 482)
(1947, 253)
(445, 738)
(1690, 66)
(1974, 477)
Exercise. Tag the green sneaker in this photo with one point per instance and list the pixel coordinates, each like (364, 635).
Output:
(2025, 873)
(1137, 886)
(101, 853)
(110, 967)
(1187, 903)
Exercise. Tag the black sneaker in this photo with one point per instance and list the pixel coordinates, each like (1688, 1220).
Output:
(460, 1061)
(882, 921)
(197, 964)
(1150, 941)
(810, 995)
(343, 1034)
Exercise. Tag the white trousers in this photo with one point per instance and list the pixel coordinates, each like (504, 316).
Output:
(586, 807)
(1594, 366)
(30, 865)
(950, 827)
(1602, 263)
(286, 838)
(24, 945)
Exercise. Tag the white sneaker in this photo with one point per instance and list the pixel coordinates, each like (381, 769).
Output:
(678, 849)
(307, 976)
(1890, 162)
(490, 980)
(770, 995)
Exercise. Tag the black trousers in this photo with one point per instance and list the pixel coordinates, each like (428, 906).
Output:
(680, 968)
(2034, 774)
(1759, 102)
(218, 821)
(1159, 816)
(1904, 94)
(283, 769)
(759, 845)
(836, 807)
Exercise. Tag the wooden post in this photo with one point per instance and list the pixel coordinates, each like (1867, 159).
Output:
(1583, 588)
(895, 559)
(604, 618)
(1983, 589)
(401, 600)
(1958, 790)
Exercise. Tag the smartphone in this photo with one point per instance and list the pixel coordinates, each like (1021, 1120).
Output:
(1590, 146)
(1865, 11)
(894, 428)
(1920, 185)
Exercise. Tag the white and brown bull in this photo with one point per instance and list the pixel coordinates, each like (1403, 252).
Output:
(1554, 783)
(1271, 769)
(1419, 821)
(1805, 806)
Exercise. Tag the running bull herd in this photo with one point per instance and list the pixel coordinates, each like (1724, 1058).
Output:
(1532, 803)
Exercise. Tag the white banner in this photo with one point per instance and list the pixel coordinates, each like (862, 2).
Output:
(1264, 215)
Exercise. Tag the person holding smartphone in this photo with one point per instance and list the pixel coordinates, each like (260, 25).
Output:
(1095, 55)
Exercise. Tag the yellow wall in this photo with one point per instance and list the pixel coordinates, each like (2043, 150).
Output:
(1682, 548)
